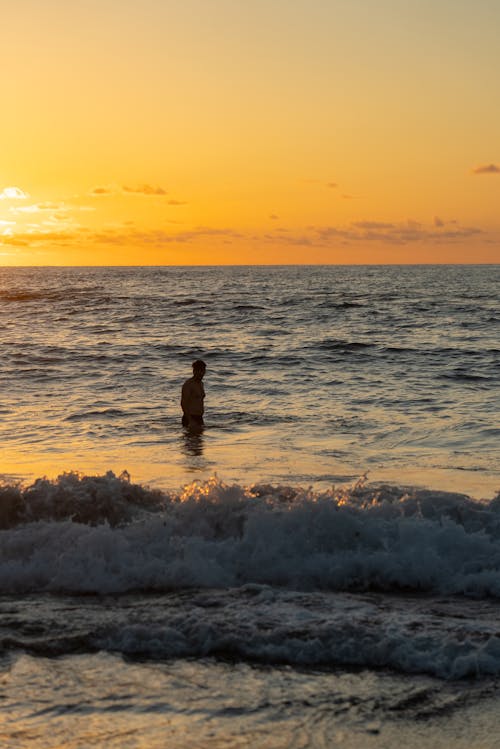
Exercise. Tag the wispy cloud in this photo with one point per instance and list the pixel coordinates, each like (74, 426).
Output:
(405, 232)
(29, 237)
(355, 233)
(158, 237)
(39, 207)
(98, 191)
(377, 225)
(149, 190)
(13, 241)
(487, 169)
(145, 189)
(177, 202)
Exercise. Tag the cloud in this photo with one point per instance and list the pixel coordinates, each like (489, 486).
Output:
(387, 233)
(13, 241)
(177, 202)
(98, 191)
(405, 232)
(39, 207)
(487, 169)
(25, 238)
(372, 225)
(332, 185)
(145, 190)
(158, 237)
(13, 193)
(402, 233)
(273, 217)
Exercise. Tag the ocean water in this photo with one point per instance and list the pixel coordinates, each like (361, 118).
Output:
(319, 567)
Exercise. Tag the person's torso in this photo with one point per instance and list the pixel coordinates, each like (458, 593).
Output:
(197, 397)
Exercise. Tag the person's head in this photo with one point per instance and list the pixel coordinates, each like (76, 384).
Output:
(199, 369)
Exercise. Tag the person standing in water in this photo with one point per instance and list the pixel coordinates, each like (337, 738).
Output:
(193, 395)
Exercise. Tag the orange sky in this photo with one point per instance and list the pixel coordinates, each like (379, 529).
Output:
(276, 131)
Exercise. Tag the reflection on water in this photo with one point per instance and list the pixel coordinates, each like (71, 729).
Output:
(99, 700)
(192, 447)
(313, 372)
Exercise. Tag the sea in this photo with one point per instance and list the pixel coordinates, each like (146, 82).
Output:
(318, 566)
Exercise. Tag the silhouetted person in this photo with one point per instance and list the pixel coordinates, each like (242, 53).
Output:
(193, 395)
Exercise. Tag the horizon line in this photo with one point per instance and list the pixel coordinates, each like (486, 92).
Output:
(251, 265)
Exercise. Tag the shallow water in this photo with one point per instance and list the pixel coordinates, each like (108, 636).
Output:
(100, 700)
(316, 375)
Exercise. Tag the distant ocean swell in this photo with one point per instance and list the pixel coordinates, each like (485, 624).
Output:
(82, 534)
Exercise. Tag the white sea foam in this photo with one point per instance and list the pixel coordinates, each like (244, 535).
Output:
(104, 534)
(274, 627)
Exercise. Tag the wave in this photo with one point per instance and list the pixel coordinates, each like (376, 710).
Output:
(53, 294)
(340, 305)
(108, 413)
(248, 307)
(104, 534)
(334, 344)
(447, 638)
(87, 500)
(460, 375)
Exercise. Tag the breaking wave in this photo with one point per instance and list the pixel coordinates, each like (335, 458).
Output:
(104, 534)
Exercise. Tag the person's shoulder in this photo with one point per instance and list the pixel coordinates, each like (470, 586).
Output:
(188, 382)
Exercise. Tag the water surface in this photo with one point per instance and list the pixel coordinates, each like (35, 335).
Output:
(315, 374)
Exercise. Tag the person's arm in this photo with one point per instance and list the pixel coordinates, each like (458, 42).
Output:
(187, 397)
(184, 398)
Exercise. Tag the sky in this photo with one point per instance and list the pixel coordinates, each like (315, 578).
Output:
(240, 132)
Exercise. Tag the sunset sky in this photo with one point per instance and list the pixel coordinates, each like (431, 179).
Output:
(249, 131)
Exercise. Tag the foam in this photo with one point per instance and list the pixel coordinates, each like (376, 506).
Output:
(315, 631)
(80, 534)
